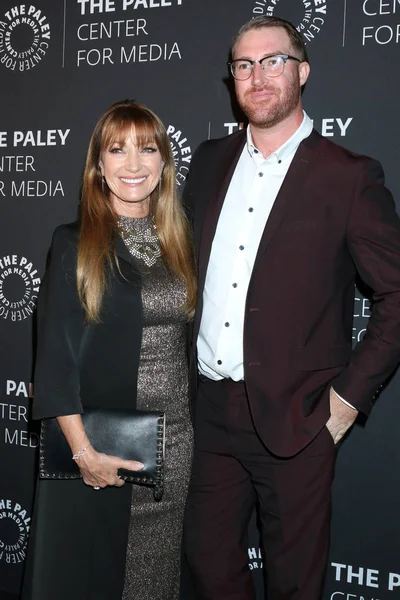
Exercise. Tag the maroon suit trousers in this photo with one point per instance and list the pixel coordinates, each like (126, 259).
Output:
(233, 472)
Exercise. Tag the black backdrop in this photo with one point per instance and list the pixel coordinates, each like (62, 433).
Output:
(62, 62)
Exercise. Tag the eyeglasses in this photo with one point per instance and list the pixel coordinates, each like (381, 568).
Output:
(272, 66)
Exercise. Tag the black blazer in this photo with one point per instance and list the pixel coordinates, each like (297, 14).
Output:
(81, 364)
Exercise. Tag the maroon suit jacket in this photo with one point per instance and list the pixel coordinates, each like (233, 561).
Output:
(332, 218)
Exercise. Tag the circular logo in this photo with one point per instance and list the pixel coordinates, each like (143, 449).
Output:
(181, 152)
(24, 37)
(308, 16)
(19, 287)
(14, 531)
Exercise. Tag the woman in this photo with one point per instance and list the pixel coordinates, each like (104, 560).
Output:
(112, 314)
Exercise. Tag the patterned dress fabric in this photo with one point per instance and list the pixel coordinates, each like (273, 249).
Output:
(155, 531)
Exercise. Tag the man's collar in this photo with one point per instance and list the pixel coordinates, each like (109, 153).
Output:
(290, 146)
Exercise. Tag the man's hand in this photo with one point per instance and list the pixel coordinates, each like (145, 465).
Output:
(342, 417)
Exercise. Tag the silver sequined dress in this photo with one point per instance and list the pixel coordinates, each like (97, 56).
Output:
(155, 531)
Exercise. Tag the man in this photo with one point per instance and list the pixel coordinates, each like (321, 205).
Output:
(283, 219)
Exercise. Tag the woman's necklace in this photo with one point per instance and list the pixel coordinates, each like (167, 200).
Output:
(140, 236)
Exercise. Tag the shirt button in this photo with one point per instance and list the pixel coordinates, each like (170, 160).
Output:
(261, 174)
(279, 161)
(241, 247)
(251, 209)
(234, 285)
(219, 362)
(226, 324)
(255, 151)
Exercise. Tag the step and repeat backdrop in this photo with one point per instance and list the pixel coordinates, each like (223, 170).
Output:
(62, 63)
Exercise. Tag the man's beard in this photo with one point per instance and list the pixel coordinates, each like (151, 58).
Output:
(276, 108)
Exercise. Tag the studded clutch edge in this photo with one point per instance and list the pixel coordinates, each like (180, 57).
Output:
(130, 435)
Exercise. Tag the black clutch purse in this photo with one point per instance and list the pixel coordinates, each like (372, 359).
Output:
(131, 435)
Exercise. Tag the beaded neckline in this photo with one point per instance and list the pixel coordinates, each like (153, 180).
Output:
(140, 236)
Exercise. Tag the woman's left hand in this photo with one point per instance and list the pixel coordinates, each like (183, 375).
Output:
(101, 470)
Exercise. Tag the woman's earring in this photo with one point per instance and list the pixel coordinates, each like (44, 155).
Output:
(103, 184)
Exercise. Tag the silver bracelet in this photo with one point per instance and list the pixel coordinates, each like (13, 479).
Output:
(80, 453)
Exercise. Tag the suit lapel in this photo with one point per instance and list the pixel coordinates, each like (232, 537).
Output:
(226, 169)
(291, 189)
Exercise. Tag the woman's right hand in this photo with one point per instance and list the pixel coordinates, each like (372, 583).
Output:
(101, 470)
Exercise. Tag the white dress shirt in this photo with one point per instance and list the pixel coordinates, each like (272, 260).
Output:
(250, 197)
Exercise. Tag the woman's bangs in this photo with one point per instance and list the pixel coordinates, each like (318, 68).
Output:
(139, 128)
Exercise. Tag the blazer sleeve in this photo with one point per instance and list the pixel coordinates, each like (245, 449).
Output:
(373, 237)
(60, 322)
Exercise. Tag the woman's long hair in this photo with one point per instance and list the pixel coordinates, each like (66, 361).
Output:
(98, 220)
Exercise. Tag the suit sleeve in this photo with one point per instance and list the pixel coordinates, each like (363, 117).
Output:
(373, 237)
(60, 330)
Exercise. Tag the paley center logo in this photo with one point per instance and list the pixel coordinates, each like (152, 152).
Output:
(307, 15)
(19, 287)
(14, 531)
(24, 37)
(181, 152)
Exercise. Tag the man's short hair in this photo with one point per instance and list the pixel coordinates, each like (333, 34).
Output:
(296, 39)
